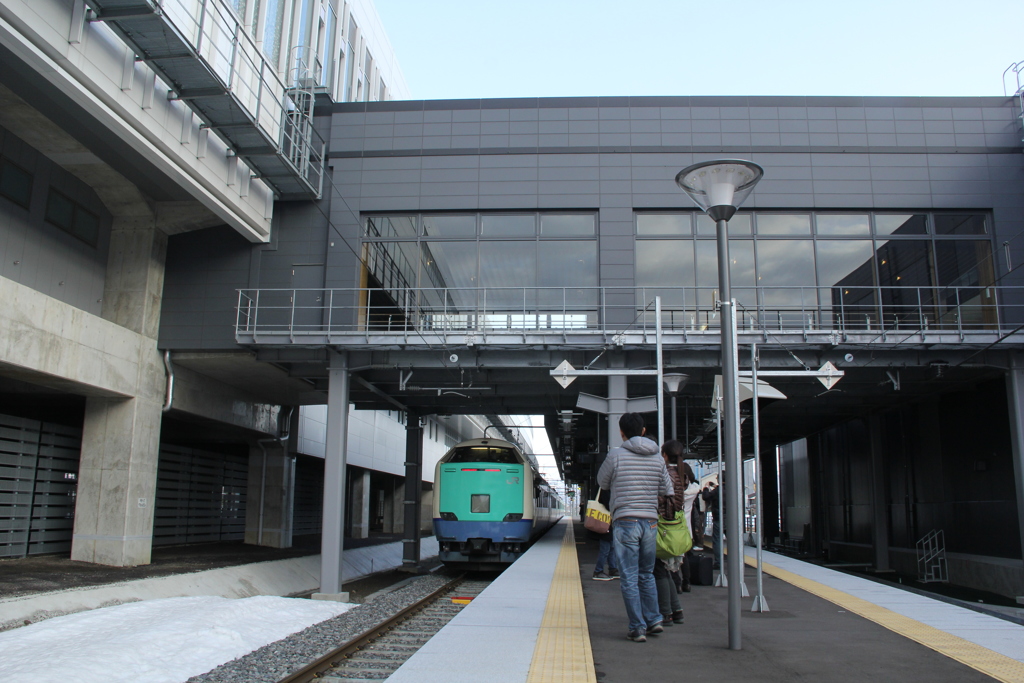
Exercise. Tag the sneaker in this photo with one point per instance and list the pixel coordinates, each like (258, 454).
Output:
(601, 576)
(614, 573)
(655, 629)
(637, 636)
(666, 620)
(677, 617)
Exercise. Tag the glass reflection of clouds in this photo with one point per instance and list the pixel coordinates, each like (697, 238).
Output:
(783, 224)
(843, 224)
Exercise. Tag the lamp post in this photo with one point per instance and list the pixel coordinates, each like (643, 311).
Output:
(719, 187)
(672, 383)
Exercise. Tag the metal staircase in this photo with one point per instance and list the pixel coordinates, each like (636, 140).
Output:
(204, 54)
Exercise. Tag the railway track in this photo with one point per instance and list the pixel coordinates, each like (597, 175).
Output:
(377, 652)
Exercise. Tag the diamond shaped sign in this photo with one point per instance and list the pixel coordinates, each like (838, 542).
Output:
(832, 374)
(563, 376)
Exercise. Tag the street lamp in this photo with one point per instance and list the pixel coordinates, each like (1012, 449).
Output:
(673, 382)
(719, 187)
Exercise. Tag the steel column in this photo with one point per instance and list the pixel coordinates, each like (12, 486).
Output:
(335, 465)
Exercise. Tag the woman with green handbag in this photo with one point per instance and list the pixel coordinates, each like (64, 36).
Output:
(674, 539)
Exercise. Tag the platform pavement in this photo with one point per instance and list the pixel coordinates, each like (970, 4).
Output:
(527, 626)
(802, 637)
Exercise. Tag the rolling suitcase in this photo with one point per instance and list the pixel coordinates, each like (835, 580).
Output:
(701, 569)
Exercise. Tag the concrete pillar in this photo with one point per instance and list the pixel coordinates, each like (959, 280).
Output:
(879, 496)
(117, 482)
(617, 401)
(359, 506)
(271, 494)
(392, 520)
(121, 437)
(134, 285)
(413, 499)
(335, 465)
(1015, 406)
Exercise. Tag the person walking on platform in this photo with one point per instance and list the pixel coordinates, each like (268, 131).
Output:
(668, 507)
(606, 550)
(710, 495)
(636, 477)
(690, 495)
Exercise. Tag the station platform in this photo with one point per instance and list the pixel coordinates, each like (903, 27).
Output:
(37, 588)
(544, 619)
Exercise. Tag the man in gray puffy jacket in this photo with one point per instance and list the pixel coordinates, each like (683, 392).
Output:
(636, 474)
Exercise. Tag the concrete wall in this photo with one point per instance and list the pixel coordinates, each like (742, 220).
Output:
(376, 439)
(37, 253)
(88, 64)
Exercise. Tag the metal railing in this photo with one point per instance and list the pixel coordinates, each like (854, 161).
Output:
(238, 69)
(931, 558)
(557, 310)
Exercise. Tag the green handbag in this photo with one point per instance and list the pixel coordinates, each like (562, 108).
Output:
(674, 537)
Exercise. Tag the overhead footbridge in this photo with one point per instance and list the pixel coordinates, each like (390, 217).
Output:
(202, 52)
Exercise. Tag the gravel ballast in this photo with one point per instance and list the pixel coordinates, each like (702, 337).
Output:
(273, 662)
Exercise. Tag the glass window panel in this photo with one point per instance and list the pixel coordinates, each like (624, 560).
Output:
(664, 268)
(900, 224)
(846, 224)
(59, 210)
(845, 263)
(963, 263)
(741, 271)
(508, 226)
(480, 503)
(567, 264)
(274, 24)
(663, 224)
(738, 225)
(455, 262)
(449, 226)
(847, 268)
(393, 265)
(567, 225)
(87, 226)
(785, 273)
(15, 183)
(391, 226)
(959, 224)
(505, 269)
(965, 273)
(783, 224)
(905, 279)
(571, 266)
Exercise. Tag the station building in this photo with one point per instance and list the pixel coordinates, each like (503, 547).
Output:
(214, 325)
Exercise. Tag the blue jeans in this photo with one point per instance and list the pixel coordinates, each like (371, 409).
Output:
(606, 553)
(635, 543)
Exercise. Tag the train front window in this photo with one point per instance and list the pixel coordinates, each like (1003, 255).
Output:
(480, 502)
(502, 456)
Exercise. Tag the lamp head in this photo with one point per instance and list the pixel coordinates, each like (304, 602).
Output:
(674, 382)
(719, 187)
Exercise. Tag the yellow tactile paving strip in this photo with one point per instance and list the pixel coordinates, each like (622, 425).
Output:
(998, 666)
(563, 651)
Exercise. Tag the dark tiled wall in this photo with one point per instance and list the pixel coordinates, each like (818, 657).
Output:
(615, 155)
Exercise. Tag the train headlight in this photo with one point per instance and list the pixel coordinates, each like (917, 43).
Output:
(513, 516)
(449, 517)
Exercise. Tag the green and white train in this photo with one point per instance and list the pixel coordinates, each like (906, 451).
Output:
(490, 503)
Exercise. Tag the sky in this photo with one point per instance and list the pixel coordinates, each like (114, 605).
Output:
(568, 48)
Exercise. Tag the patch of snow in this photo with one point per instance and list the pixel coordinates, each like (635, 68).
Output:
(158, 641)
